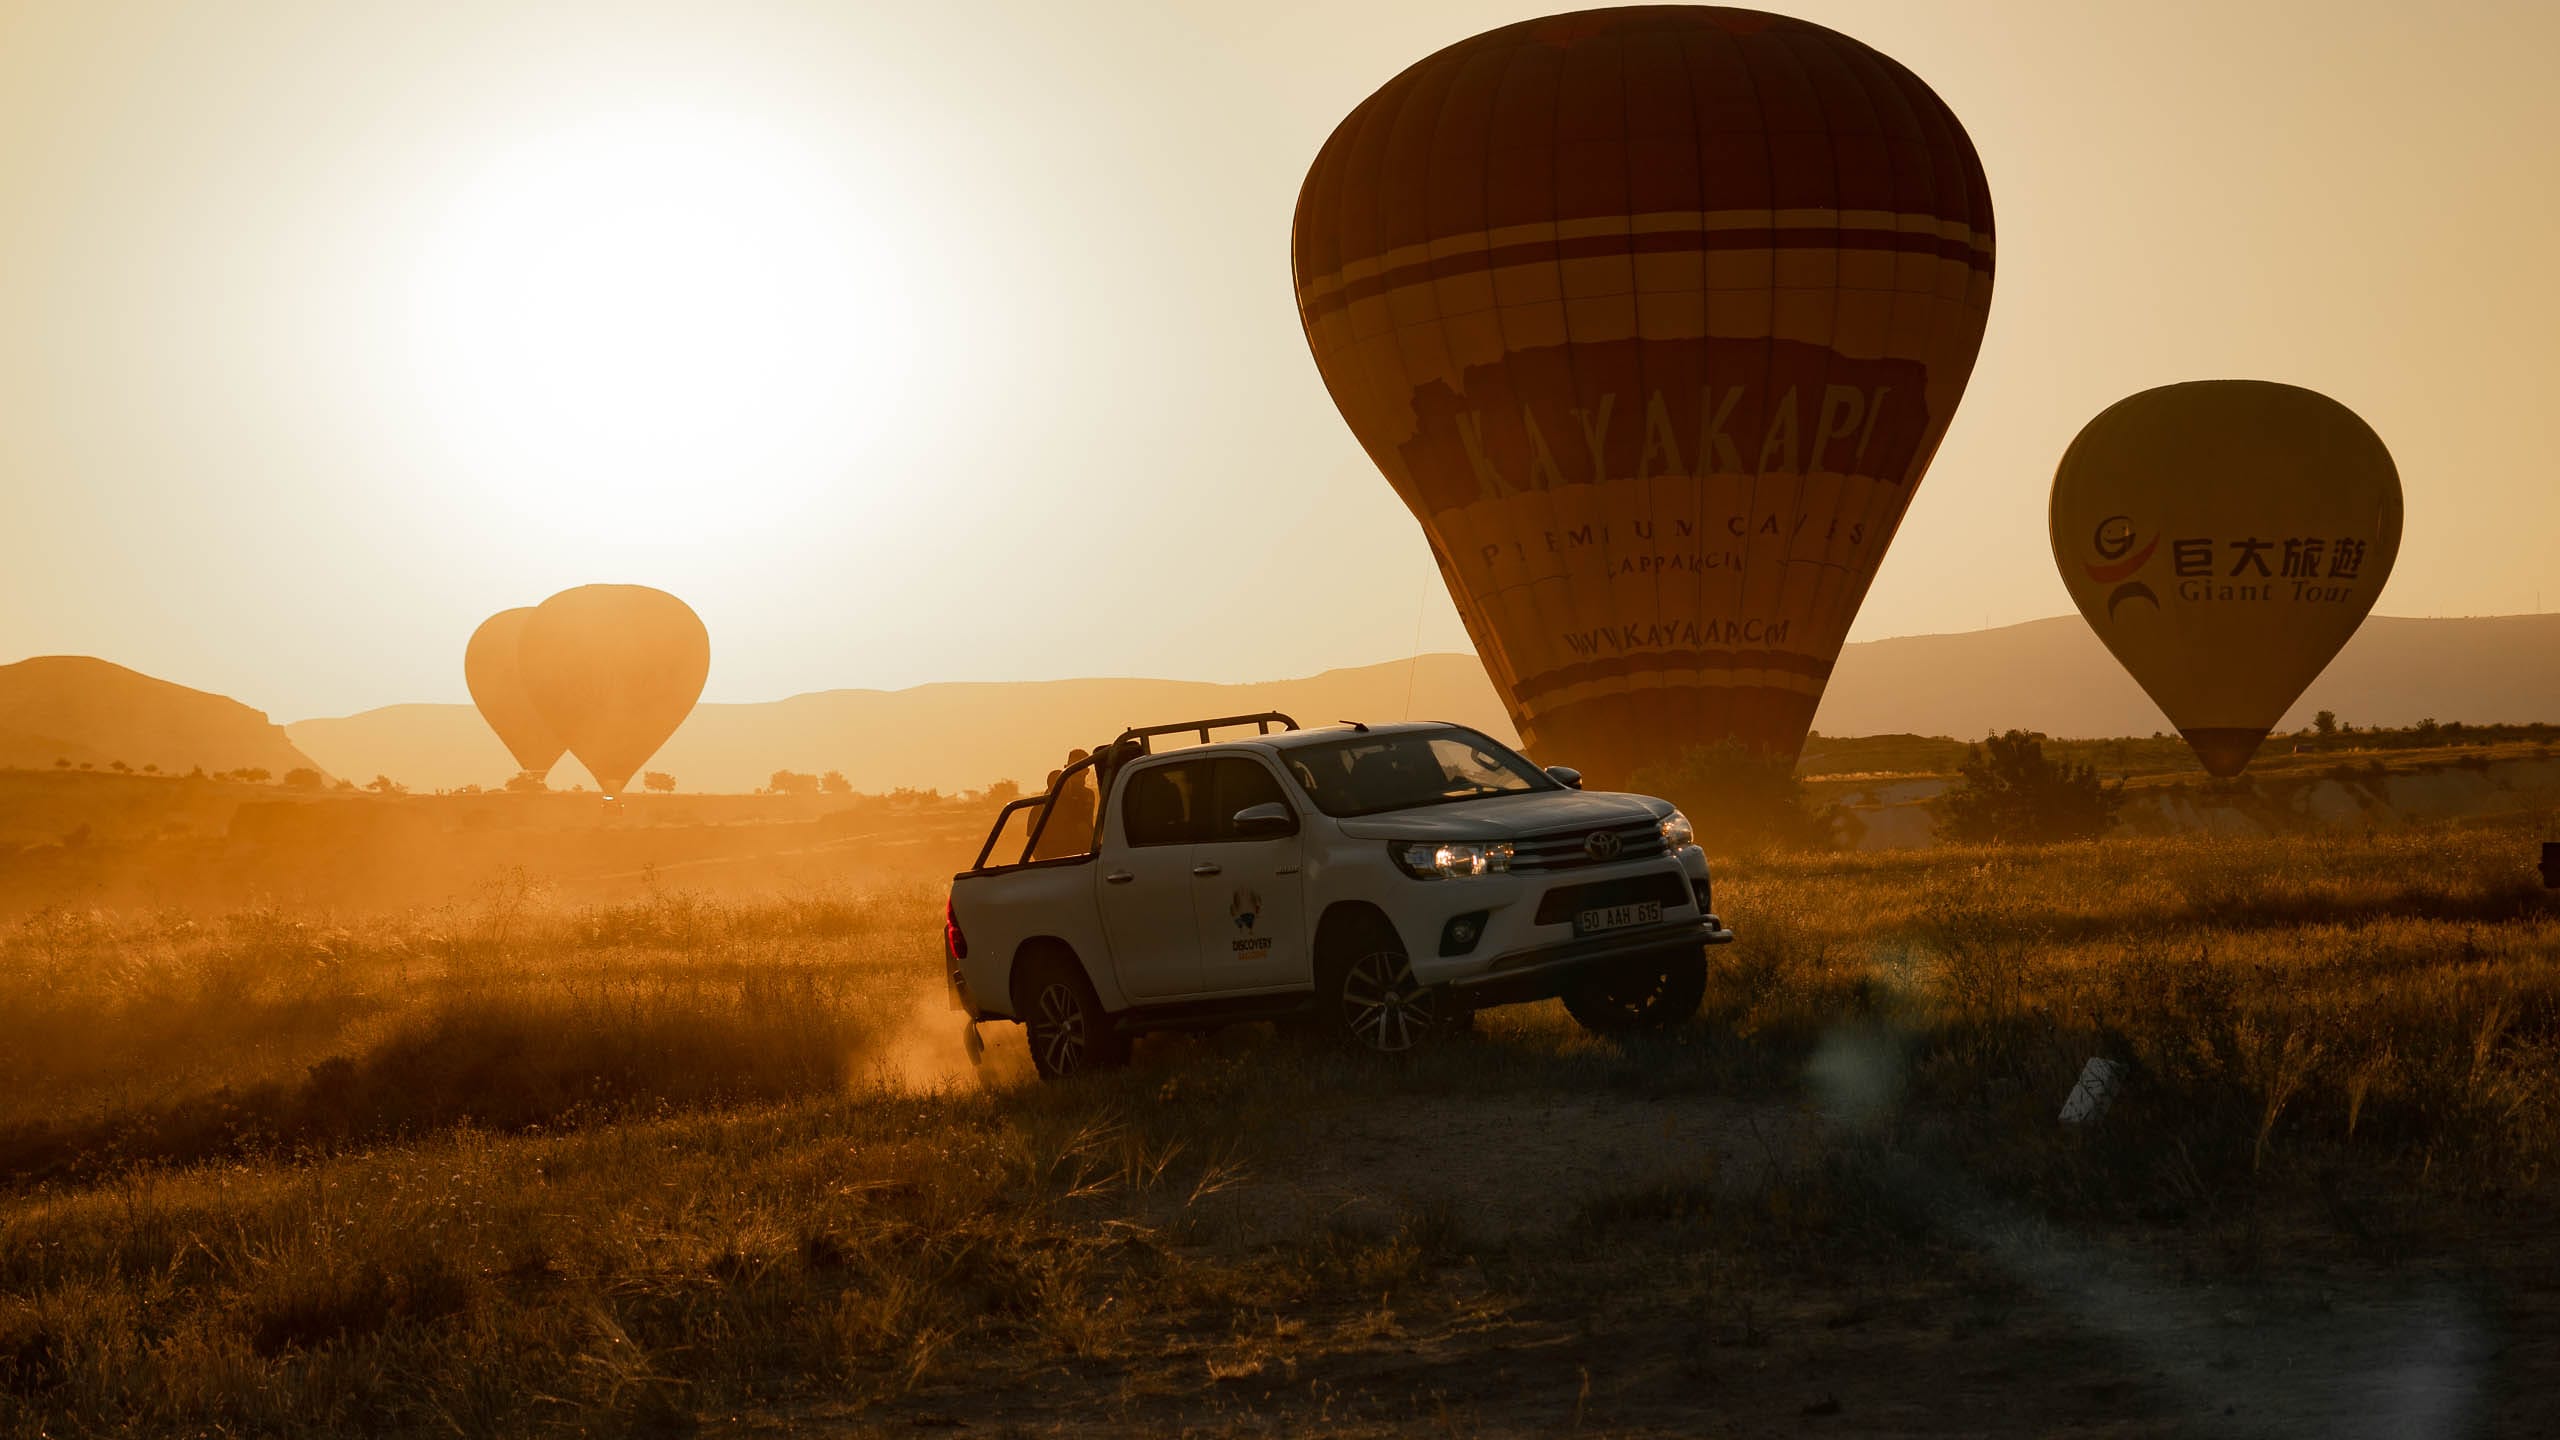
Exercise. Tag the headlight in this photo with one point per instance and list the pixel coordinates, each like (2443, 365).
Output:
(1427, 860)
(1677, 833)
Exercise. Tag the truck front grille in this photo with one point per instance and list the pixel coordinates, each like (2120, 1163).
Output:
(1571, 849)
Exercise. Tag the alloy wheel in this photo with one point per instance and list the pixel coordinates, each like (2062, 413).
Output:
(1058, 1032)
(1383, 1006)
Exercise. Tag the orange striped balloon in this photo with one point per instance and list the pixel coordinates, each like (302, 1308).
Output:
(1654, 318)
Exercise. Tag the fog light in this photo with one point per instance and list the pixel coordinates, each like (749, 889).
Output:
(1460, 935)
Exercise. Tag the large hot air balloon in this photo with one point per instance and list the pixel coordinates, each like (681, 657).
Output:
(1653, 318)
(614, 670)
(2224, 538)
(489, 667)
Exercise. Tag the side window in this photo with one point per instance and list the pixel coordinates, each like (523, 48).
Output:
(1161, 805)
(1235, 784)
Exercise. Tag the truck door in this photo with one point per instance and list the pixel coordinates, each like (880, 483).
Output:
(1246, 891)
(1145, 878)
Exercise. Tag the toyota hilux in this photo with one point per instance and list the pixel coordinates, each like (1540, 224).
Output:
(1384, 882)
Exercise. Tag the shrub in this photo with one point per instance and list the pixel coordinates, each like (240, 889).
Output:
(2010, 793)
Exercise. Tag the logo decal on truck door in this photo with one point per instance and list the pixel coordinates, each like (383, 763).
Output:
(1244, 907)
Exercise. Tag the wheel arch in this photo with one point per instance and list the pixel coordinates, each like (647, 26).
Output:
(1030, 951)
(1344, 924)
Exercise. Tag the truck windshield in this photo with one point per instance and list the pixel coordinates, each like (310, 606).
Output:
(1372, 774)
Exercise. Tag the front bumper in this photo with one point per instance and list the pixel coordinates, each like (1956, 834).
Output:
(1547, 971)
(1531, 912)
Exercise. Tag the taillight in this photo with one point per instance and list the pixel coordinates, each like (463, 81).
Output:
(954, 944)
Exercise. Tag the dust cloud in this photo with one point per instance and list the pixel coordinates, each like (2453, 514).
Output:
(924, 1052)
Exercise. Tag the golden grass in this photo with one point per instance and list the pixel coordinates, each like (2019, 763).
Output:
(513, 1166)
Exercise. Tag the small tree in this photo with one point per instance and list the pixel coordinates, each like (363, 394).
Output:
(385, 785)
(61, 763)
(257, 775)
(300, 777)
(119, 767)
(526, 782)
(660, 781)
(834, 783)
(1005, 792)
(2010, 794)
(792, 782)
(150, 769)
(2325, 724)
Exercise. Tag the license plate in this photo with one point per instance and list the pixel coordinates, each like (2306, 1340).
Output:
(1617, 917)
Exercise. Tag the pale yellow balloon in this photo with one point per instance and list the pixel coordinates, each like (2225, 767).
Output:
(614, 670)
(492, 668)
(2224, 538)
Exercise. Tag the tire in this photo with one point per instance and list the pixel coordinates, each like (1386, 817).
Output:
(1625, 1002)
(1064, 1021)
(1371, 999)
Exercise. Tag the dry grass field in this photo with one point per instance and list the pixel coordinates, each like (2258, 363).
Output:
(518, 1166)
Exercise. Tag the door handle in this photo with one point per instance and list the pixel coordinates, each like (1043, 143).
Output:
(1118, 877)
(1205, 869)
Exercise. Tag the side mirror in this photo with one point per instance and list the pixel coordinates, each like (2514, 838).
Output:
(1566, 776)
(1266, 819)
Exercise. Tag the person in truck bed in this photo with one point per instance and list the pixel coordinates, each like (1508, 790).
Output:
(1070, 827)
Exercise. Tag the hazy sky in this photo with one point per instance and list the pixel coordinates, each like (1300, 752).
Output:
(956, 341)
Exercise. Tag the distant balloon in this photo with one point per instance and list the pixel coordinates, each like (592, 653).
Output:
(614, 670)
(2224, 538)
(1653, 318)
(490, 667)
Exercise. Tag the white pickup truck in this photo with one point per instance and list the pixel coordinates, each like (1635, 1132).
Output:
(1384, 881)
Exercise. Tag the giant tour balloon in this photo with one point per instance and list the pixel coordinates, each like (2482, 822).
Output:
(490, 667)
(1653, 318)
(2224, 538)
(614, 670)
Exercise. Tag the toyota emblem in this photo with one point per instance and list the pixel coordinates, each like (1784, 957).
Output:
(1603, 845)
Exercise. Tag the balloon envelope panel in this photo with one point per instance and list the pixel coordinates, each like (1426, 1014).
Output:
(615, 669)
(2224, 538)
(1653, 318)
(491, 666)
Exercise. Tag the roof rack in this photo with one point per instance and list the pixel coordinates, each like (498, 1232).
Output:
(1145, 735)
(1141, 736)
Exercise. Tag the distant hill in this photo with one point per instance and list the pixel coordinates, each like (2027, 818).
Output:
(85, 710)
(2048, 675)
(2054, 676)
(948, 737)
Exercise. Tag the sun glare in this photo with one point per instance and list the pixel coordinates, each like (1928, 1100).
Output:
(655, 327)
